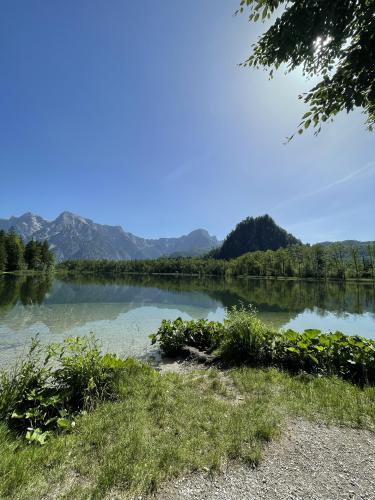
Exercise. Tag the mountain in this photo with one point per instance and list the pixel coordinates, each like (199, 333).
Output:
(259, 233)
(26, 225)
(74, 237)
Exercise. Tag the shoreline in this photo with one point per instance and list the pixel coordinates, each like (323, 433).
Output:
(64, 274)
(196, 427)
(215, 276)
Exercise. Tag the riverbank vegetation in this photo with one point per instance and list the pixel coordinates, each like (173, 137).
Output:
(51, 384)
(16, 256)
(244, 338)
(128, 427)
(319, 262)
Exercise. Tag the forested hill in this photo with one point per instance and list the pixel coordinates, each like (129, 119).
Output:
(252, 234)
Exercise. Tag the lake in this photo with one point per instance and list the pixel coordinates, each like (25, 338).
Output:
(122, 312)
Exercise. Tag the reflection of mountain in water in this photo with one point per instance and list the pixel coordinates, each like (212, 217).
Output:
(71, 305)
(267, 295)
(63, 305)
(63, 317)
(281, 293)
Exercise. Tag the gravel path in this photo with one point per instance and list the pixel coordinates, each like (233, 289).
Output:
(311, 461)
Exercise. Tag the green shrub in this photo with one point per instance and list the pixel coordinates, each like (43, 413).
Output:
(350, 357)
(51, 384)
(173, 336)
(85, 376)
(243, 337)
(246, 337)
(28, 399)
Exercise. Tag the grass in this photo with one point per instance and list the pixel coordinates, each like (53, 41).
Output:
(325, 399)
(163, 425)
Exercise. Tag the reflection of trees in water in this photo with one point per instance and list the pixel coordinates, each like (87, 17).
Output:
(75, 304)
(296, 296)
(34, 289)
(266, 294)
(126, 293)
(276, 296)
(26, 289)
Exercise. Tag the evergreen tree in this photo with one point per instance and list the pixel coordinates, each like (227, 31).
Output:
(33, 258)
(3, 253)
(15, 252)
(46, 256)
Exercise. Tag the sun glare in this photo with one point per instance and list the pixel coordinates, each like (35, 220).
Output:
(320, 43)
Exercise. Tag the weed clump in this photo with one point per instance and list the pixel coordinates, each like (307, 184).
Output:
(52, 383)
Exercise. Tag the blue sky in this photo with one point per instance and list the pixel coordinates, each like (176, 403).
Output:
(136, 113)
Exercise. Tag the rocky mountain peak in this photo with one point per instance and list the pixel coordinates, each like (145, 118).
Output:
(71, 218)
(72, 236)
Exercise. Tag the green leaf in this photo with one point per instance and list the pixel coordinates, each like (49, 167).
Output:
(313, 358)
(17, 415)
(319, 348)
(291, 335)
(292, 349)
(63, 423)
(302, 345)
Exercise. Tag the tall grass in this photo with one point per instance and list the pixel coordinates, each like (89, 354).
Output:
(246, 337)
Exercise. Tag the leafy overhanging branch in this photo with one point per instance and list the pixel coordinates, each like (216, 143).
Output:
(334, 40)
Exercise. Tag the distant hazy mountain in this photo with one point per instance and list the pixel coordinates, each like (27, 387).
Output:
(74, 237)
(259, 233)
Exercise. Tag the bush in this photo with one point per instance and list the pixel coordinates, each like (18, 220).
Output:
(51, 384)
(85, 375)
(350, 357)
(246, 337)
(173, 336)
(243, 337)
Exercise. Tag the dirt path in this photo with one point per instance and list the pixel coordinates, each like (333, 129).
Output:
(310, 461)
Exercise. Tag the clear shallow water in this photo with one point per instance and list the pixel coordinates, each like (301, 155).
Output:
(123, 312)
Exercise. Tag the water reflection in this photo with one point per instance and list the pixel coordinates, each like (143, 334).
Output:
(275, 295)
(123, 311)
(24, 289)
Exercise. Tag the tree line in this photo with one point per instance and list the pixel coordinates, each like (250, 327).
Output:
(334, 261)
(16, 256)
